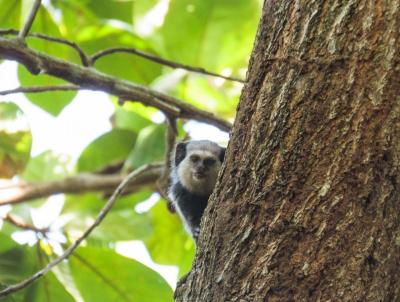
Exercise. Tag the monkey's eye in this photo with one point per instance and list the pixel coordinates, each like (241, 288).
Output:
(194, 158)
(209, 161)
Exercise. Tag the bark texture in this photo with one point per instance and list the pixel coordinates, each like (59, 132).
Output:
(307, 207)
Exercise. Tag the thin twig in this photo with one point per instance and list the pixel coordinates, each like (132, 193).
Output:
(18, 222)
(159, 60)
(28, 24)
(37, 89)
(9, 31)
(170, 138)
(107, 207)
(81, 53)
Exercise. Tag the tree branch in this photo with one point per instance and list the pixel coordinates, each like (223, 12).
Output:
(36, 89)
(159, 60)
(26, 191)
(89, 78)
(28, 24)
(107, 207)
(82, 55)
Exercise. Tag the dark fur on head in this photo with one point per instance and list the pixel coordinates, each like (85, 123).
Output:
(195, 167)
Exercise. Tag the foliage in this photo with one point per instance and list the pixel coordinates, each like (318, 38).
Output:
(215, 35)
(15, 140)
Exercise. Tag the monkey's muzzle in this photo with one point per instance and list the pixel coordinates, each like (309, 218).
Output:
(198, 175)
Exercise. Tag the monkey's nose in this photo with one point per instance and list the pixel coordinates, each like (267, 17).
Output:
(200, 172)
(200, 169)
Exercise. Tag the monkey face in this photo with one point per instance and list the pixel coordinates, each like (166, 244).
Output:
(202, 165)
(197, 165)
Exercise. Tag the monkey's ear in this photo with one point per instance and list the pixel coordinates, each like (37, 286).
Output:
(180, 152)
(222, 154)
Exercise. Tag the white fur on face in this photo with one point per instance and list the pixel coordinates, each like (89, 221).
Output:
(186, 176)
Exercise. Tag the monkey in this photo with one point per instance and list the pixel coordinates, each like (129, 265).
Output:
(194, 171)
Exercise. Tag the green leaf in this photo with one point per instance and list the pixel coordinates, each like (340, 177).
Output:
(110, 148)
(200, 92)
(75, 17)
(15, 140)
(123, 65)
(145, 21)
(6, 243)
(16, 264)
(49, 289)
(91, 203)
(21, 262)
(130, 120)
(62, 272)
(52, 102)
(112, 9)
(168, 232)
(122, 223)
(44, 167)
(10, 14)
(149, 147)
(140, 109)
(211, 34)
(103, 275)
(141, 8)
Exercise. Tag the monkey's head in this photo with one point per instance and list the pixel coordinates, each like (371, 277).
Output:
(197, 165)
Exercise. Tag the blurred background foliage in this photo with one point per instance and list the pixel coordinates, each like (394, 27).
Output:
(217, 35)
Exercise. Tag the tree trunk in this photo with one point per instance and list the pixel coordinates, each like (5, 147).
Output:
(307, 207)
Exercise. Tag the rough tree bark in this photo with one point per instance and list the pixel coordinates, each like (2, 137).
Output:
(307, 207)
